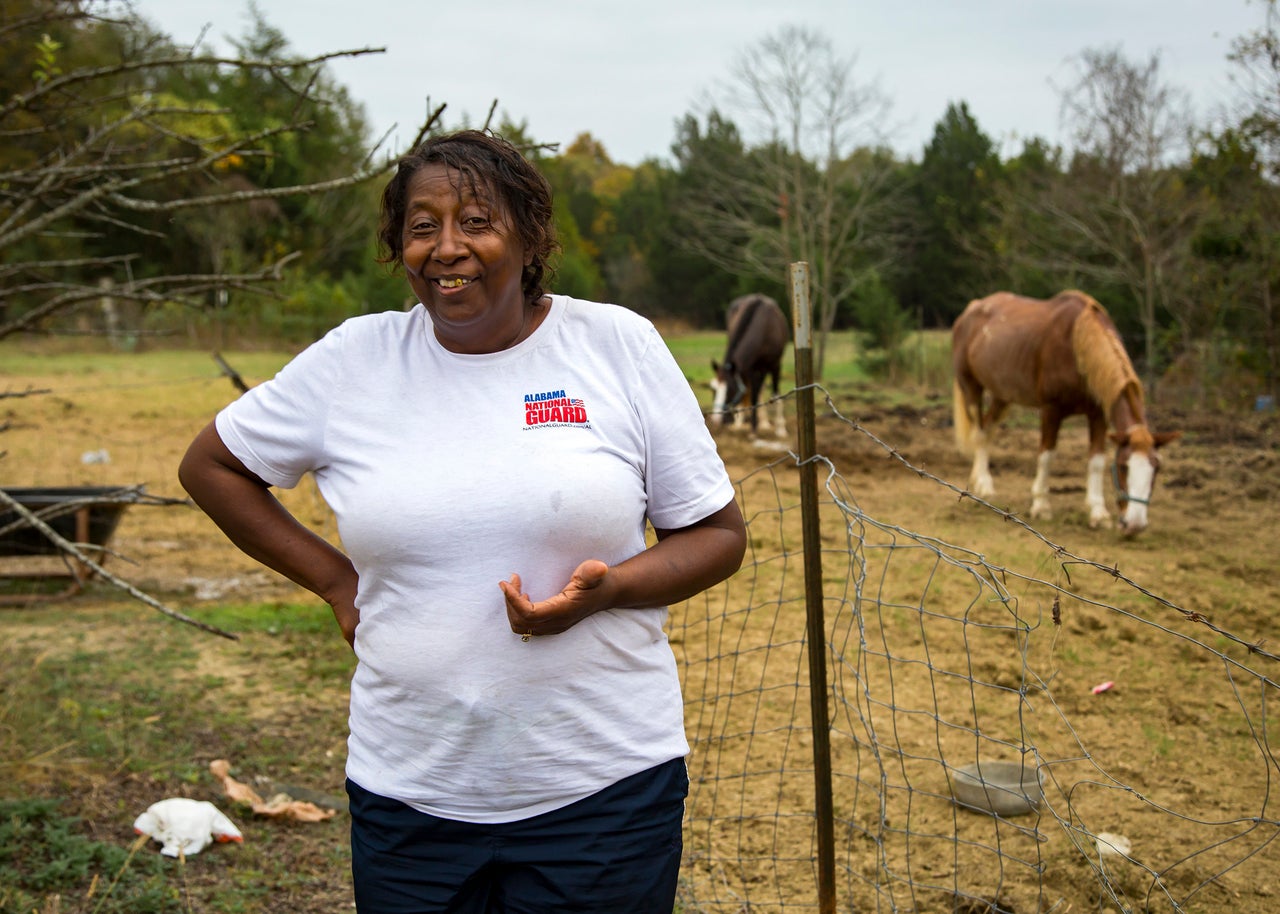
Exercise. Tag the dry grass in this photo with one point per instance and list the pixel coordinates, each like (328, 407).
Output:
(113, 706)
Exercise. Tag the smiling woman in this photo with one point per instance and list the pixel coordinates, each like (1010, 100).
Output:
(464, 264)
(516, 733)
(474, 251)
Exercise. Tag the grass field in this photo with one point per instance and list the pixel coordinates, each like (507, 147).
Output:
(107, 706)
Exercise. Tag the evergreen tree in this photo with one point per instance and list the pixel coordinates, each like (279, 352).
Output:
(951, 255)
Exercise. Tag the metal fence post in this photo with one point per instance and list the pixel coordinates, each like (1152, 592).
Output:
(816, 636)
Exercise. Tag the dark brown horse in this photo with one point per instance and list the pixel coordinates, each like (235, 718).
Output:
(758, 335)
(1063, 357)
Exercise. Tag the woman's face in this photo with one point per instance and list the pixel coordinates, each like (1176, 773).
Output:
(464, 262)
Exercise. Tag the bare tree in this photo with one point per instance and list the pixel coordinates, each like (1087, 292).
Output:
(96, 151)
(813, 185)
(1257, 55)
(97, 155)
(1125, 201)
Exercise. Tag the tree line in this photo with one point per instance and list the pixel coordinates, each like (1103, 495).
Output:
(148, 187)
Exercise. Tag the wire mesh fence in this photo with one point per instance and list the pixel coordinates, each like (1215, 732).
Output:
(957, 685)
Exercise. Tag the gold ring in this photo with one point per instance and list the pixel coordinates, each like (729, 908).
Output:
(526, 636)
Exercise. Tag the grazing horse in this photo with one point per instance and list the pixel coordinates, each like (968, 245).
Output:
(1064, 357)
(758, 335)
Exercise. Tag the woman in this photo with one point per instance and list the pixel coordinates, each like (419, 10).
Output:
(492, 456)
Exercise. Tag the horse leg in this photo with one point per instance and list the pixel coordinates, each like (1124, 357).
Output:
(1050, 422)
(739, 415)
(759, 417)
(1094, 501)
(1040, 508)
(778, 425)
(779, 416)
(980, 483)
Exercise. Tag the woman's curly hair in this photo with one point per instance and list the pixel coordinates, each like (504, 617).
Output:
(493, 169)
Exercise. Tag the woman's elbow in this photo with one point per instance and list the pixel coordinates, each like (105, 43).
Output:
(734, 539)
(737, 552)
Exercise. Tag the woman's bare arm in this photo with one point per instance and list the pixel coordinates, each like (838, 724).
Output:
(245, 509)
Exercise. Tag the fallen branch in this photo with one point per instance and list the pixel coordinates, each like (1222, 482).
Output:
(71, 549)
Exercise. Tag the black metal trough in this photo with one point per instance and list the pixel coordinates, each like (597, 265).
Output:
(83, 515)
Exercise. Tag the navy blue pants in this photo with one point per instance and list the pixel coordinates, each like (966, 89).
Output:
(616, 851)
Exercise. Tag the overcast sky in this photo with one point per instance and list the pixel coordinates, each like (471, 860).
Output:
(626, 72)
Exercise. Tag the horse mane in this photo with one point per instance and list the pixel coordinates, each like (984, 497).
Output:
(1101, 358)
(741, 321)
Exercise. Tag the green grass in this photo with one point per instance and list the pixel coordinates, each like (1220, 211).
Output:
(25, 358)
(922, 363)
(1161, 742)
(44, 853)
(921, 368)
(118, 712)
(19, 360)
(152, 706)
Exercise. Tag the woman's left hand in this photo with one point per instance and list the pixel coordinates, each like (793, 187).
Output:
(585, 594)
(684, 561)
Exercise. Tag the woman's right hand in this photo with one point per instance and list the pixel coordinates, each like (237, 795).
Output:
(348, 616)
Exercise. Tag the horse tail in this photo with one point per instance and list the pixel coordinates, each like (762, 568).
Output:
(962, 423)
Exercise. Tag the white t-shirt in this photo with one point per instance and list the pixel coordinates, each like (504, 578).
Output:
(447, 473)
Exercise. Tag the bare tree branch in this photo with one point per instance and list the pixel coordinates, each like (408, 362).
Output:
(101, 150)
(92, 74)
(813, 188)
(77, 554)
(102, 163)
(154, 289)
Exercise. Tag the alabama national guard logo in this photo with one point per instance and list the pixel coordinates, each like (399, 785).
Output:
(554, 409)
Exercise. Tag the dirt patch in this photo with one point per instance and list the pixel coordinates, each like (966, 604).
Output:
(1135, 701)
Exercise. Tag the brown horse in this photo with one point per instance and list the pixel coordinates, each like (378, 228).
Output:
(1064, 357)
(758, 334)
